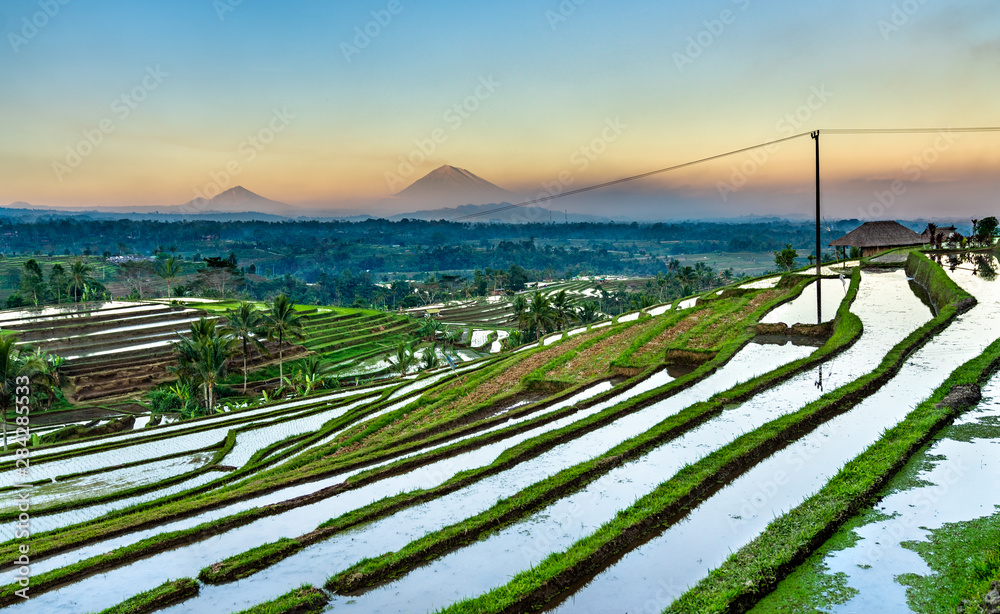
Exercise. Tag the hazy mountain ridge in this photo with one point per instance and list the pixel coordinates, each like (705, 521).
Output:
(450, 186)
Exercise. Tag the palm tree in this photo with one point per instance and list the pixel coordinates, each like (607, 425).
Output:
(283, 323)
(499, 276)
(312, 373)
(202, 357)
(245, 323)
(404, 358)
(81, 275)
(17, 367)
(540, 317)
(57, 281)
(519, 305)
(452, 335)
(430, 357)
(45, 380)
(33, 282)
(588, 313)
(169, 270)
(562, 310)
(214, 354)
(513, 340)
(429, 329)
(687, 276)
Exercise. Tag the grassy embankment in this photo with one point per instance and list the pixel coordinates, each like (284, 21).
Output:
(756, 569)
(162, 596)
(507, 511)
(91, 533)
(541, 583)
(526, 501)
(155, 513)
(303, 600)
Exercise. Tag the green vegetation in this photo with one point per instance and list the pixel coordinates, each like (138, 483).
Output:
(646, 515)
(249, 562)
(202, 359)
(518, 387)
(22, 369)
(158, 598)
(756, 568)
(785, 258)
(339, 263)
(302, 600)
(964, 558)
(245, 322)
(283, 323)
(516, 507)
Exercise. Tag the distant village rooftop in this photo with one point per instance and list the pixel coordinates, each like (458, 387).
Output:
(876, 237)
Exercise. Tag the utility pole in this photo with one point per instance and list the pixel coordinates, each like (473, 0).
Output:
(819, 266)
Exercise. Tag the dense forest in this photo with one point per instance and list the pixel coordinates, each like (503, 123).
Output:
(308, 248)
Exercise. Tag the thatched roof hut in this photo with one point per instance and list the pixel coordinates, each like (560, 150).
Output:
(876, 237)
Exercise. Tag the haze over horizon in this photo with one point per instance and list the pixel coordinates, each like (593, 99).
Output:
(341, 107)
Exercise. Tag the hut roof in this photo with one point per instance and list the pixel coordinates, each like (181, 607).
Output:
(879, 234)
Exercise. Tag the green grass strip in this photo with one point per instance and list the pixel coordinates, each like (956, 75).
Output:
(249, 562)
(164, 595)
(302, 600)
(756, 569)
(226, 446)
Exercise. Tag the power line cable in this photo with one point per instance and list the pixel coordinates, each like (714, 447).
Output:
(833, 131)
(908, 130)
(627, 179)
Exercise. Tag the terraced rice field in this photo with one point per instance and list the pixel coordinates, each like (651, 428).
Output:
(111, 350)
(352, 341)
(669, 461)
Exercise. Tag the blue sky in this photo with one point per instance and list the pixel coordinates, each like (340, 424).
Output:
(686, 79)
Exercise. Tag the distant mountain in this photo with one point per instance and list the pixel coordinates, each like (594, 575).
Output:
(449, 186)
(235, 205)
(233, 200)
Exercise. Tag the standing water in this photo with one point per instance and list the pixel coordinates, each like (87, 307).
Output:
(317, 562)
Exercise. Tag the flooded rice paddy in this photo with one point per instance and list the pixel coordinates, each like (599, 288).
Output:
(944, 485)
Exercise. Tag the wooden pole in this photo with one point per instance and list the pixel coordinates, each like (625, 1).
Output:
(819, 304)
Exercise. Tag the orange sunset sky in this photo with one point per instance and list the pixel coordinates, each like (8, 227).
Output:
(333, 107)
